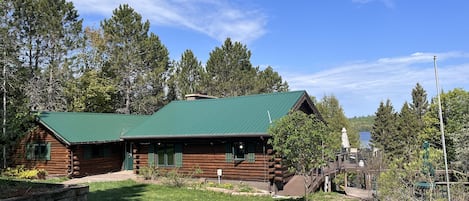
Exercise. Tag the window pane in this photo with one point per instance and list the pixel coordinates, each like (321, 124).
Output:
(40, 151)
(240, 150)
(170, 154)
(160, 153)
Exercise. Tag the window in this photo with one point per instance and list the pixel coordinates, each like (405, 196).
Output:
(97, 151)
(240, 151)
(38, 151)
(165, 154)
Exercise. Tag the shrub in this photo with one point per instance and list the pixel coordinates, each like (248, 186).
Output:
(150, 172)
(21, 172)
(245, 188)
(179, 179)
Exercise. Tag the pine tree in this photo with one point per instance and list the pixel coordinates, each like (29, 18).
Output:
(137, 62)
(49, 32)
(269, 81)
(189, 74)
(384, 129)
(419, 105)
(230, 70)
(407, 135)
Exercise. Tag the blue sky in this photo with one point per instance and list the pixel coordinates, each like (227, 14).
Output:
(361, 51)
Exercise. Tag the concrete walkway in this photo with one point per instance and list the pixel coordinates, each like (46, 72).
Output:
(113, 176)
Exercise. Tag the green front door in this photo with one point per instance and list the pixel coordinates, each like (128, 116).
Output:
(128, 158)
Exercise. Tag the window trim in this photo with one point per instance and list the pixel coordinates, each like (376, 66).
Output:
(164, 148)
(31, 150)
(177, 155)
(249, 153)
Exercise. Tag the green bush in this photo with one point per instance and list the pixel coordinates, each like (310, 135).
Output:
(150, 172)
(245, 188)
(179, 179)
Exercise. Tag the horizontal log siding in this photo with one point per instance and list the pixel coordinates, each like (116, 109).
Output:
(59, 158)
(209, 158)
(99, 165)
(140, 154)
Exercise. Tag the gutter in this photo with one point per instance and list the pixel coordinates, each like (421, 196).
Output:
(194, 136)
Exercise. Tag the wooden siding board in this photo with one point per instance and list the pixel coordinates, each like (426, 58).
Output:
(59, 157)
(110, 162)
(209, 158)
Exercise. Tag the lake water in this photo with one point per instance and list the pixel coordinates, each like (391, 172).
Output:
(365, 138)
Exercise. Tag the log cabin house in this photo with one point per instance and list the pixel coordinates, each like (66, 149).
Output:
(230, 134)
(203, 132)
(76, 144)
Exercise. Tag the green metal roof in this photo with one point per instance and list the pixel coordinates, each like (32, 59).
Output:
(80, 127)
(223, 117)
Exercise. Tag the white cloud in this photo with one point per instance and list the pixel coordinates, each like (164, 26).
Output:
(362, 85)
(218, 19)
(387, 3)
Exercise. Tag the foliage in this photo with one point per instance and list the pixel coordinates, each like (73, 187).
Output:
(304, 141)
(334, 115)
(361, 124)
(177, 178)
(136, 61)
(269, 81)
(407, 134)
(399, 181)
(229, 72)
(384, 131)
(48, 34)
(149, 172)
(189, 74)
(20, 172)
(174, 177)
(455, 117)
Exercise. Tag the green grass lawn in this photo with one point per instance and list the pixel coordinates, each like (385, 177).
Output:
(131, 190)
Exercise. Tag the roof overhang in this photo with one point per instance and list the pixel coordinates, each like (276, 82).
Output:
(309, 102)
(54, 132)
(192, 136)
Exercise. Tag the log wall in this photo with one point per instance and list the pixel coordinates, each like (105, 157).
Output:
(59, 154)
(60, 163)
(211, 156)
(98, 165)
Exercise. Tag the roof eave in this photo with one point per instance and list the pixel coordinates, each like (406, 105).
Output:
(143, 137)
(95, 142)
(55, 133)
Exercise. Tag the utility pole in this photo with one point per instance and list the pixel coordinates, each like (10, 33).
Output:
(442, 129)
(4, 107)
